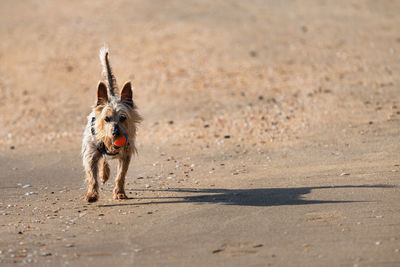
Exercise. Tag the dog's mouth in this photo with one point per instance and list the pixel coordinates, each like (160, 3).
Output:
(119, 141)
(110, 147)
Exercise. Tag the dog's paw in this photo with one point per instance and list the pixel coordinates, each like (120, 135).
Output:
(92, 197)
(120, 196)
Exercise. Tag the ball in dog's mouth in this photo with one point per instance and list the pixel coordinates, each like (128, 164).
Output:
(119, 141)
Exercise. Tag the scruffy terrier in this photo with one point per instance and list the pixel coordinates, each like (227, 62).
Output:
(114, 116)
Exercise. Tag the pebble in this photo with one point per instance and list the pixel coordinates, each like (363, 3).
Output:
(344, 174)
(45, 254)
(30, 193)
(27, 186)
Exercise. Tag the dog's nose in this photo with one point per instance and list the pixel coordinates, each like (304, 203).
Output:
(116, 132)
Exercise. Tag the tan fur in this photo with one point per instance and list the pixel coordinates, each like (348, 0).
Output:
(104, 171)
(106, 116)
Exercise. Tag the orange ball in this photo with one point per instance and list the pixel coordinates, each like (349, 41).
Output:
(119, 141)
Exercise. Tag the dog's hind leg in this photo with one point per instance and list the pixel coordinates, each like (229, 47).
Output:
(104, 171)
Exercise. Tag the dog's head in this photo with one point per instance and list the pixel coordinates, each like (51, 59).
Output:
(116, 115)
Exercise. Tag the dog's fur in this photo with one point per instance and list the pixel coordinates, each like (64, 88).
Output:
(112, 115)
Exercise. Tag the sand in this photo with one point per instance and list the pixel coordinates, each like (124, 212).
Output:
(270, 133)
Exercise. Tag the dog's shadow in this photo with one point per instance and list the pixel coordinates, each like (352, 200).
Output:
(263, 197)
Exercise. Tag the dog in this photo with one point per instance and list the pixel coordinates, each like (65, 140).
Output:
(113, 116)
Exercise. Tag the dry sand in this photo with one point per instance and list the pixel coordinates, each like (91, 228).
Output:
(271, 133)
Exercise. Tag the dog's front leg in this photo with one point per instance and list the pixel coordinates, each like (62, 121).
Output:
(119, 189)
(91, 163)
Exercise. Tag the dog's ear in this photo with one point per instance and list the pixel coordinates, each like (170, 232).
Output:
(126, 94)
(102, 97)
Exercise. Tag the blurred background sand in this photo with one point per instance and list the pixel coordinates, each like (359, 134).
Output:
(259, 71)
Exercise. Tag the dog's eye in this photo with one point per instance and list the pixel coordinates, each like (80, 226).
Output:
(107, 119)
(122, 118)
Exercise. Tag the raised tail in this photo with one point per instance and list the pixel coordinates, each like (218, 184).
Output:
(107, 71)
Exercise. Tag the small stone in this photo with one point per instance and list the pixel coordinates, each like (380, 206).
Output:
(147, 186)
(253, 53)
(12, 147)
(70, 245)
(171, 122)
(227, 136)
(378, 243)
(217, 251)
(30, 193)
(45, 254)
(344, 174)
(27, 186)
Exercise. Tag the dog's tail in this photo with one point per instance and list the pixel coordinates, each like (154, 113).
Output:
(107, 71)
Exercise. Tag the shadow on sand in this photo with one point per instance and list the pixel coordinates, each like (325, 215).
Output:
(261, 197)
